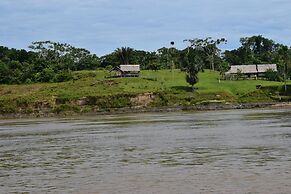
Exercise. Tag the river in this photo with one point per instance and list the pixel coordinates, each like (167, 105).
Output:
(233, 151)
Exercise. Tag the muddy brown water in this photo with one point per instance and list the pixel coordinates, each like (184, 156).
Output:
(234, 151)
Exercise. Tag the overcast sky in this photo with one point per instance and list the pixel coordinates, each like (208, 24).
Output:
(101, 26)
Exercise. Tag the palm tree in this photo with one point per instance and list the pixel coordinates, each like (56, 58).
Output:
(124, 55)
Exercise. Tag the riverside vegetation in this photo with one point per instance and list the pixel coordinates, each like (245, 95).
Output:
(90, 91)
(59, 78)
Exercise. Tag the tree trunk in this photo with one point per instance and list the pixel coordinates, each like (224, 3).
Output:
(285, 84)
(285, 78)
(212, 62)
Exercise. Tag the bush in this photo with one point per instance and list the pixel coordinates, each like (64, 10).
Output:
(65, 107)
(63, 76)
(46, 75)
(8, 106)
(28, 81)
(271, 75)
(84, 74)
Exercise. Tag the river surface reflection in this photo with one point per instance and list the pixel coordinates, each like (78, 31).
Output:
(235, 151)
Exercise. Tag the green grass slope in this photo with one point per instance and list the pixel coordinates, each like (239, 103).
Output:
(92, 91)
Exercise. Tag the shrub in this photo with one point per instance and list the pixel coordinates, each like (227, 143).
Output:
(271, 75)
(46, 75)
(65, 108)
(63, 76)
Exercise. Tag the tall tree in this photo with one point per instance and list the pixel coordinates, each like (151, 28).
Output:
(191, 63)
(253, 50)
(124, 54)
(208, 46)
(63, 56)
(284, 60)
(164, 57)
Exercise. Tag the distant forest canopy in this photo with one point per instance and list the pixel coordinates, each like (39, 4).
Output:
(48, 61)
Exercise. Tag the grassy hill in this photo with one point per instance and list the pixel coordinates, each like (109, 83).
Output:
(92, 91)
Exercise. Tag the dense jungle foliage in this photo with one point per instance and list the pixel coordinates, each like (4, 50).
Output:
(48, 61)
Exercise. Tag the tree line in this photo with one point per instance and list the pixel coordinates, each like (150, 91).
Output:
(48, 61)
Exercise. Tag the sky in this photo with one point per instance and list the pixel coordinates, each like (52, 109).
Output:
(101, 26)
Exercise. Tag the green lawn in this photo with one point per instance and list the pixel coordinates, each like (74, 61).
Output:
(209, 82)
(170, 85)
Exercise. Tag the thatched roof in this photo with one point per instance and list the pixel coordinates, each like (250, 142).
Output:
(264, 68)
(251, 69)
(130, 68)
(242, 68)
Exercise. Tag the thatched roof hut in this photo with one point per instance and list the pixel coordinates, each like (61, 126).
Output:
(265, 67)
(130, 68)
(251, 69)
(242, 69)
(127, 70)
